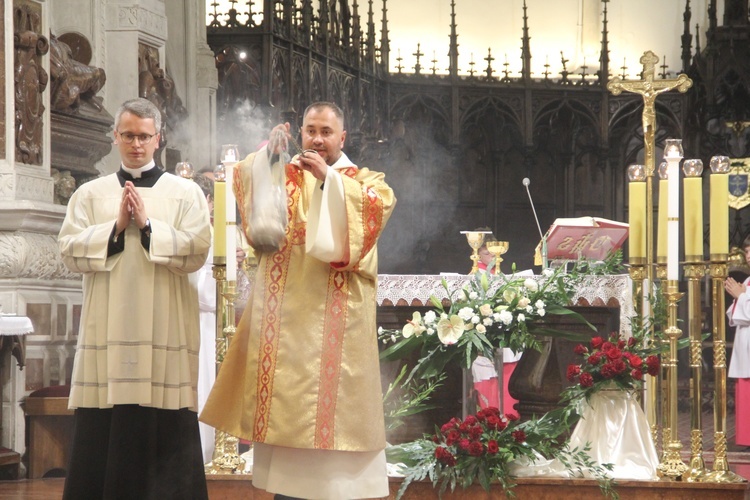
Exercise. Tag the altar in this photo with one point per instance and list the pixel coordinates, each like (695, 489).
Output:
(605, 302)
(12, 346)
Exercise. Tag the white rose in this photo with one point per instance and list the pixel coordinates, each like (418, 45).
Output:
(531, 284)
(481, 329)
(547, 272)
(430, 331)
(506, 317)
(430, 316)
(521, 318)
(475, 319)
(443, 316)
(465, 313)
(485, 309)
(529, 309)
(523, 302)
(541, 312)
(496, 316)
(487, 322)
(539, 305)
(473, 295)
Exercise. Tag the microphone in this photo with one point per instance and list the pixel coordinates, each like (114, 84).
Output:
(526, 183)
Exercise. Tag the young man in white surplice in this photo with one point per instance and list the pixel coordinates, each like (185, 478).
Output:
(739, 365)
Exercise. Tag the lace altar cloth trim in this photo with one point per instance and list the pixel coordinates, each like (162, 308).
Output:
(416, 290)
(11, 324)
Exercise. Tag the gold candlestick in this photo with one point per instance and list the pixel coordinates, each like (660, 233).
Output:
(721, 474)
(497, 248)
(694, 272)
(475, 239)
(225, 459)
(671, 466)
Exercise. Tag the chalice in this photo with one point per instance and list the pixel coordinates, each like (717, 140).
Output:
(497, 248)
(475, 239)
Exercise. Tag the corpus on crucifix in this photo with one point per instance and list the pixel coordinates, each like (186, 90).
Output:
(649, 89)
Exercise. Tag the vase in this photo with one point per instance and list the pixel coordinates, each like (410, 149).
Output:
(615, 428)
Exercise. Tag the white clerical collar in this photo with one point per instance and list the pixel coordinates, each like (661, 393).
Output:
(343, 162)
(137, 172)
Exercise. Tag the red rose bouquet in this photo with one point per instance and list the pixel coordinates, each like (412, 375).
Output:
(483, 448)
(613, 362)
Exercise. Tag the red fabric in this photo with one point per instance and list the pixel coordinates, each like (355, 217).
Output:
(488, 392)
(483, 267)
(742, 411)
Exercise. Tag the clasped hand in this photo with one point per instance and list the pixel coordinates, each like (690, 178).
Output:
(131, 209)
(734, 288)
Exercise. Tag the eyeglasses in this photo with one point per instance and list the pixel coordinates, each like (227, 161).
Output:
(143, 139)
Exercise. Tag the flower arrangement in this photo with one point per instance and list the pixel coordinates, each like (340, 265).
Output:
(611, 363)
(488, 313)
(476, 448)
(484, 447)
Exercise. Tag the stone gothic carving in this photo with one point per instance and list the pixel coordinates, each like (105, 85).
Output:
(71, 81)
(158, 87)
(80, 126)
(65, 184)
(30, 81)
(32, 255)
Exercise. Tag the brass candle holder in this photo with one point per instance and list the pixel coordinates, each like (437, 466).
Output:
(497, 248)
(694, 272)
(671, 465)
(225, 459)
(475, 240)
(719, 271)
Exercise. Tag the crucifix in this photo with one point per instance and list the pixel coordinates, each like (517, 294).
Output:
(649, 89)
(643, 272)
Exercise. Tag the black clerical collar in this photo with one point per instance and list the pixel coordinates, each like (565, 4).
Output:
(147, 179)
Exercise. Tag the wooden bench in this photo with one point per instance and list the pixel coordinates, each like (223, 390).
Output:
(50, 430)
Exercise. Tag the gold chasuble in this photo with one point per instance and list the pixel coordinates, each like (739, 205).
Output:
(303, 371)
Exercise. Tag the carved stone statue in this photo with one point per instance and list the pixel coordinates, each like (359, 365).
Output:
(30, 81)
(65, 184)
(158, 87)
(72, 81)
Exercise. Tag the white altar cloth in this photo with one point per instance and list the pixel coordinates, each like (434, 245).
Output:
(416, 289)
(10, 324)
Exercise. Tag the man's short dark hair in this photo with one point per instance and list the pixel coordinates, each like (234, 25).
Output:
(317, 106)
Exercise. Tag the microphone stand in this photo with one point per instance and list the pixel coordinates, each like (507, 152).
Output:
(543, 236)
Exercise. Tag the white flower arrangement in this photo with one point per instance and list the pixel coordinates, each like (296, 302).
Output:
(489, 313)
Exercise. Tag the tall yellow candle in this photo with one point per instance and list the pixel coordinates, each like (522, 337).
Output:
(719, 200)
(693, 217)
(220, 222)
(661, 238)
(637, 221)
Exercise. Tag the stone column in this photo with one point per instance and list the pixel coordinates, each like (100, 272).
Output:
(129, 25)
(190, 62)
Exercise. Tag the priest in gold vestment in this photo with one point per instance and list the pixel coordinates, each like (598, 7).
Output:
(301, 379)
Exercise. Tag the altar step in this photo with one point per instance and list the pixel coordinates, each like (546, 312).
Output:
(237, 487)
